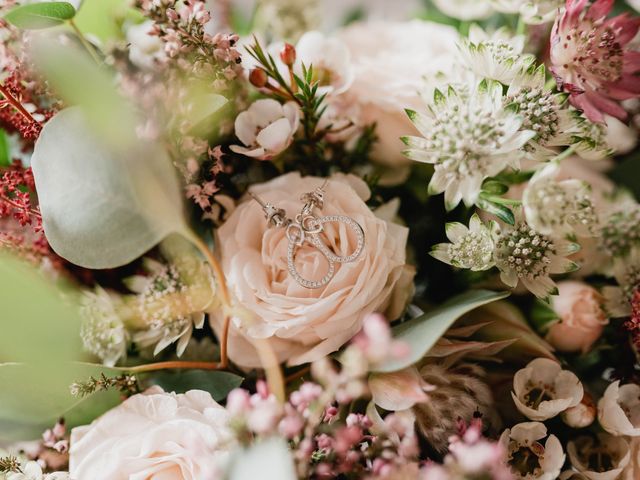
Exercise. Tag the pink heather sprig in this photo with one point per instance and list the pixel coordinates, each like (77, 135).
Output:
(592, 60)
(470, 456)
(181, 27)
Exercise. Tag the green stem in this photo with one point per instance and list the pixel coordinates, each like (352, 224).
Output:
(521, 28)
(551, 84)
(567, 153)
(88, 47)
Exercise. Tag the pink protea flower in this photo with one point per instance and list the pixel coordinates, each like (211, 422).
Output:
(591, 58)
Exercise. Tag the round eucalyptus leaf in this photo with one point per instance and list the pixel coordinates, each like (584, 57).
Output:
(103, 206)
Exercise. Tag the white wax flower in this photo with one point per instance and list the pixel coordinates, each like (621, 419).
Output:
(601, 458)
(532, 11)
(542, 389)
(266, 128)
(619, 409)
(528, 458)
(33, 471)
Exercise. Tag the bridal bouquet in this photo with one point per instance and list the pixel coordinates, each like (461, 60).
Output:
(239, 245)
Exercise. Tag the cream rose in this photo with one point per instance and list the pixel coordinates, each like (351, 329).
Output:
(582, 318)
(391, 62)
(305, 324)
(154, 436)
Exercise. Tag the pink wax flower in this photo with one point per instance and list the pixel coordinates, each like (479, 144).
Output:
(591, 58)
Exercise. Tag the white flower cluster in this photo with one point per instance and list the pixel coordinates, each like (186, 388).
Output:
(169, 302)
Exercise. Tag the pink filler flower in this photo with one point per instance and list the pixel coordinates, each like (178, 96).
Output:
(591, 58)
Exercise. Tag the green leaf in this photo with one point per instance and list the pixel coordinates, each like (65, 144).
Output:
(205, 105)
(39, 349)
(33, 16)
(74, 76)
(5, 154)
(422, 333)
(495, 187)
(103, 206)
(542, 316)
(104, 18)
(502, 212)
(217, 383)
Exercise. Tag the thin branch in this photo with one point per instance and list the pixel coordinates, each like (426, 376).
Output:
(15, 103)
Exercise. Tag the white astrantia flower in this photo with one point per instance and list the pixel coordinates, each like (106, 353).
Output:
(168, 305)
(533, 12)
(102, 330)
(544, 112)
(626, 271)
(331, 61)
(527, 457)
(542, 389)
(266, 128)
(620, 232)
(465, 9)
(468, 137)
(33, 471)
(523, 254)
(619, 409)
(497, 56)
(601, 458)
(559, 207)
(470, 247)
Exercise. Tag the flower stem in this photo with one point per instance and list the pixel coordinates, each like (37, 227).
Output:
(151, 367)
(521, 28)
(15, 103)
(566, 153)
(84, 42)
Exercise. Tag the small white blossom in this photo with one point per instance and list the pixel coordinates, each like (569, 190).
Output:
(619, 409)
(468, 137)
(544, 112)
(627, 273)
(528, 458)
(532, 12)
(470, 247)
(542, 389)
(266, 128)
(169, 307)
(331, 62)
(559, 208)
(102, 330)
(33, 471)
(523, 254)
(601, 458)
(497, 56)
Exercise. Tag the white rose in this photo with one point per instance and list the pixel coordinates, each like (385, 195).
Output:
(266, 128)
(305, 324)
(391, 61)
(154, 436)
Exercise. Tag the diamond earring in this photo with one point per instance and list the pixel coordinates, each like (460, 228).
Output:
(308, 227)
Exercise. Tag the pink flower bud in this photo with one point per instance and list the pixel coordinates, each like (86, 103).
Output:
(258, 77)
(238, 401)
(582, 415)
(288, 54)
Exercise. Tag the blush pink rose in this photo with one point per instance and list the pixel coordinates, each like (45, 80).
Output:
(305, 324)
(582, 318)
(155, 436)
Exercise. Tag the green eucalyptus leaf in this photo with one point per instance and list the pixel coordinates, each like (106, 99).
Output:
(79, 81)
(39, 346)
(422, 333)
(34, 16)
(5, 154)
(103, 206)
(217, 383)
